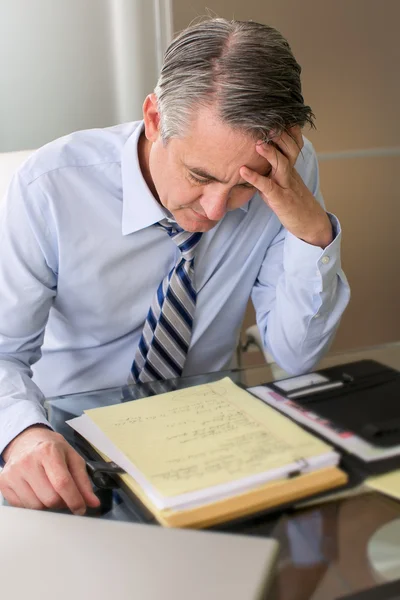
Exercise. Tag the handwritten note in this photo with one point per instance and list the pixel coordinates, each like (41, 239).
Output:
(203, 436)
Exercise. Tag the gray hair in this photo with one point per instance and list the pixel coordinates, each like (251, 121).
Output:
(244, 69)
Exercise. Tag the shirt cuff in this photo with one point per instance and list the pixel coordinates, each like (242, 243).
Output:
(312, 262)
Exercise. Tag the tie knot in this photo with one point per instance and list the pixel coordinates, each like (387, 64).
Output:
(185, 240)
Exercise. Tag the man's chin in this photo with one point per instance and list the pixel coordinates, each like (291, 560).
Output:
(201, 228)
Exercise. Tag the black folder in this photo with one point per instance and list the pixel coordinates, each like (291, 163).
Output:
(362, 397)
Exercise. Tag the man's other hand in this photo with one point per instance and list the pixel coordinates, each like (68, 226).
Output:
(43, 471)
(285, 192)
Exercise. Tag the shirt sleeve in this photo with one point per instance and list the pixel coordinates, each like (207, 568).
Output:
(27, 288)
(301, 291)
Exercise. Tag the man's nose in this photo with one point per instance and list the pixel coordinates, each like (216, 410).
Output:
(214, 205)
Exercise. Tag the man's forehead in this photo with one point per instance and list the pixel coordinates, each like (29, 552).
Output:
(222, 166)
(208, 129)
(219, 157)
(212, 146)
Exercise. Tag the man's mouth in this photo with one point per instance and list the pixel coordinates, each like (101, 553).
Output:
(200, 216)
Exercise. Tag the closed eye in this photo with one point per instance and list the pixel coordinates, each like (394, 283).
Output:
(246, 186)
(203, 181)
(198, 180)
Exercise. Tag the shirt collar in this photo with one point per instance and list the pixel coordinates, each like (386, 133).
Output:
(140, 209)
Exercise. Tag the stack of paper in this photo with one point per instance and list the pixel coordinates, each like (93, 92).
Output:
(213, 445)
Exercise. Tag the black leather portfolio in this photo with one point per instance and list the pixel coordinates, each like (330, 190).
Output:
(362, 397)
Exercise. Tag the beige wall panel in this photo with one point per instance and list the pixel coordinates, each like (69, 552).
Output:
(349, 51)
(364, 194)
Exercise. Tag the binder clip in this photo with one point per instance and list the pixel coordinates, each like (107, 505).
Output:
(102, 472)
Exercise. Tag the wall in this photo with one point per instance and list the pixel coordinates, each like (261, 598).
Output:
(350, 53)
(75, 64)
(48, 47)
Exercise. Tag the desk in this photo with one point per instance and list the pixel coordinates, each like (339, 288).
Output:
(323, 548)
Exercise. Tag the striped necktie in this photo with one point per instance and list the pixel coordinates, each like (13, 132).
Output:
(166, 334)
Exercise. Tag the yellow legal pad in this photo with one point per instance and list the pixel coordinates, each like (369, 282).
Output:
(388, 484)
(211, 453)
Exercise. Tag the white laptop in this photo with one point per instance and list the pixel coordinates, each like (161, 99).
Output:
(46, 555)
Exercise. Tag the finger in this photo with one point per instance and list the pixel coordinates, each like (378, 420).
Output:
(288, 147)
(61, 480)
(27, 496)
(265, 185)
(280, 166)
(11, 497)
(44, 490)
(77, 467)
(289, 143)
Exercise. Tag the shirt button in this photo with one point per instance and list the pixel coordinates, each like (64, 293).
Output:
(325, 260)
(317, 315)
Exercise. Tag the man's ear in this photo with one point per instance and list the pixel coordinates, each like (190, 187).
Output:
(151, 118)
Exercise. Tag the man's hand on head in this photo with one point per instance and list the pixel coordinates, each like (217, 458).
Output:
(43, 471)
(285, 192)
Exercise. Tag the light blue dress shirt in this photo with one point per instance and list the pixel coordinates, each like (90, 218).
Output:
(80, 261)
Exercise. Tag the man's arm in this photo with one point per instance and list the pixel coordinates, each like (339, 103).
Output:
(41, 469)
(27, 287)
(301, 291)
(299, 299)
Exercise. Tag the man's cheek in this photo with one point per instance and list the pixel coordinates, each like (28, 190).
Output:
(239, 201)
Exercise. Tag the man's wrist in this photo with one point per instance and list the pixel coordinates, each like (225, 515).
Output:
(9, 448)
(323, 237)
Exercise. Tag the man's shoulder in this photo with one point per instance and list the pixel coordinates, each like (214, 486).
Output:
(84, 148)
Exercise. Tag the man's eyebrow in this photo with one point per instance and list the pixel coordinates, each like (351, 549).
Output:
(205, 175)
(209, 177)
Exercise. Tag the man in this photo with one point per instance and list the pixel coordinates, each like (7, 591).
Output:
(133, 250)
